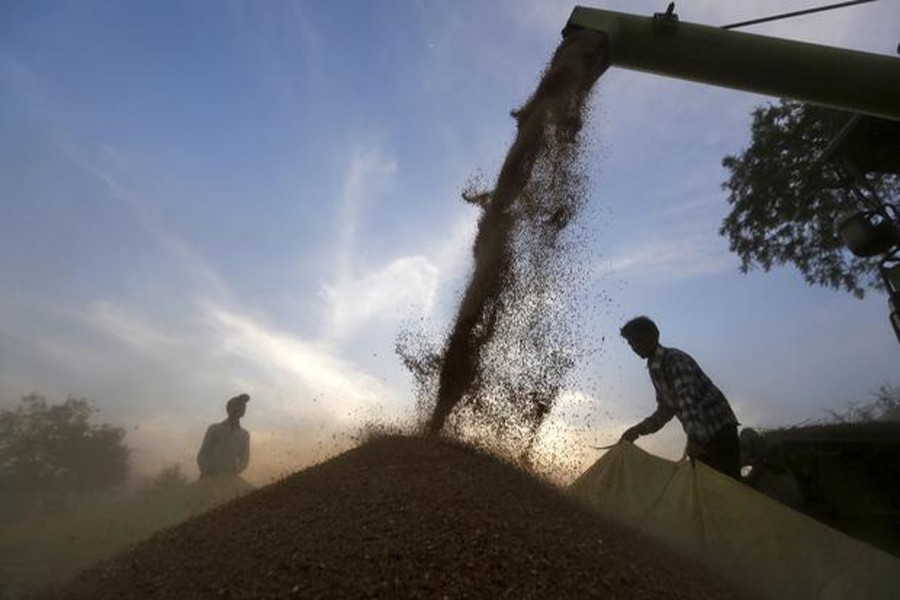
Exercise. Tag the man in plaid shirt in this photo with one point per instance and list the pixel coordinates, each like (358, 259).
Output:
(683, 390)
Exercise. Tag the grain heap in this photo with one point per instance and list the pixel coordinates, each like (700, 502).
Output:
(397, 518)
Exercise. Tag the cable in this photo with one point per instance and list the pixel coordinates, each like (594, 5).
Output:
(797, 13)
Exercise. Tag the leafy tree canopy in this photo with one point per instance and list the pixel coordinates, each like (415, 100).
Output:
(51, 452)
(884, 406)
(784, 200)
(169, 477)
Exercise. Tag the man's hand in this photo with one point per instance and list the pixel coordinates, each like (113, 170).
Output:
(694, 449)
(630, 434)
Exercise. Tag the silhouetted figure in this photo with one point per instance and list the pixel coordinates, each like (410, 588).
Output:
(683, 390)
(226, 445)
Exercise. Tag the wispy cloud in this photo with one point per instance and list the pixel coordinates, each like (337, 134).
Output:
(171, 381)
(130, 329)
(75, 357)
(361, 293)
(290, 360)
(366, 171)
(101, 162)
(267, 356)
(668, 260)
(406, 284)
(171, 365)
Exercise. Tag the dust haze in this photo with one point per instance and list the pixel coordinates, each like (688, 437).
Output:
(81, 473)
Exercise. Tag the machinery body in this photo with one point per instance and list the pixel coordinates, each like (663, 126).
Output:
(846, 475)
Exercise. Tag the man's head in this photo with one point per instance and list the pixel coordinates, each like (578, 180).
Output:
(237, 406)
(642, 335)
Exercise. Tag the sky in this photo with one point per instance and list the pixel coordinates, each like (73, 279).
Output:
(202, 198)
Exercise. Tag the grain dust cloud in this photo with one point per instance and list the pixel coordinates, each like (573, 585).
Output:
(498, 372)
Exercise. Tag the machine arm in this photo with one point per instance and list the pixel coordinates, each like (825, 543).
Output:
(845, 79)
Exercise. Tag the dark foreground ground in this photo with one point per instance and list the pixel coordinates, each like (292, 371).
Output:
(398, 517)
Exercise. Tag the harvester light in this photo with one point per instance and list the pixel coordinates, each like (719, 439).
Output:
(867, 233)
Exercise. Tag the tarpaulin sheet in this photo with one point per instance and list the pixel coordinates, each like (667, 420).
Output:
(740, 532)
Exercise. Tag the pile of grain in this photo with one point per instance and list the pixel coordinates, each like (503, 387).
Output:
(397, 517)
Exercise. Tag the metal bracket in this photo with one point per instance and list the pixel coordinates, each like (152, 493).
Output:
(667, 21)
(889, 269)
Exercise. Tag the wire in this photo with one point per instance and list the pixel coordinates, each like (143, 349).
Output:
(797, 13)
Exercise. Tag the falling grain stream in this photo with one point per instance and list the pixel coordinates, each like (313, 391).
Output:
(537, 194)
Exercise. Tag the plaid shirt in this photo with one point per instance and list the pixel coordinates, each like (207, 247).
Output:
(683, 390)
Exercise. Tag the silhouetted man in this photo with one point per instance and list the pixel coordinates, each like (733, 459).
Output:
(226, 445)
(683, 390)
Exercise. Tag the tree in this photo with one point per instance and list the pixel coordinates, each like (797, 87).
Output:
(884, 406)
(51, 453)
(784, 199)
(169, 477)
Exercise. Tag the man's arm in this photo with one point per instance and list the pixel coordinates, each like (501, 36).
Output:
(203, 454)
(244, 454)
(651, 424)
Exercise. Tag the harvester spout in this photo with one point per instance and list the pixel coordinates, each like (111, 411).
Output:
(845, 79)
